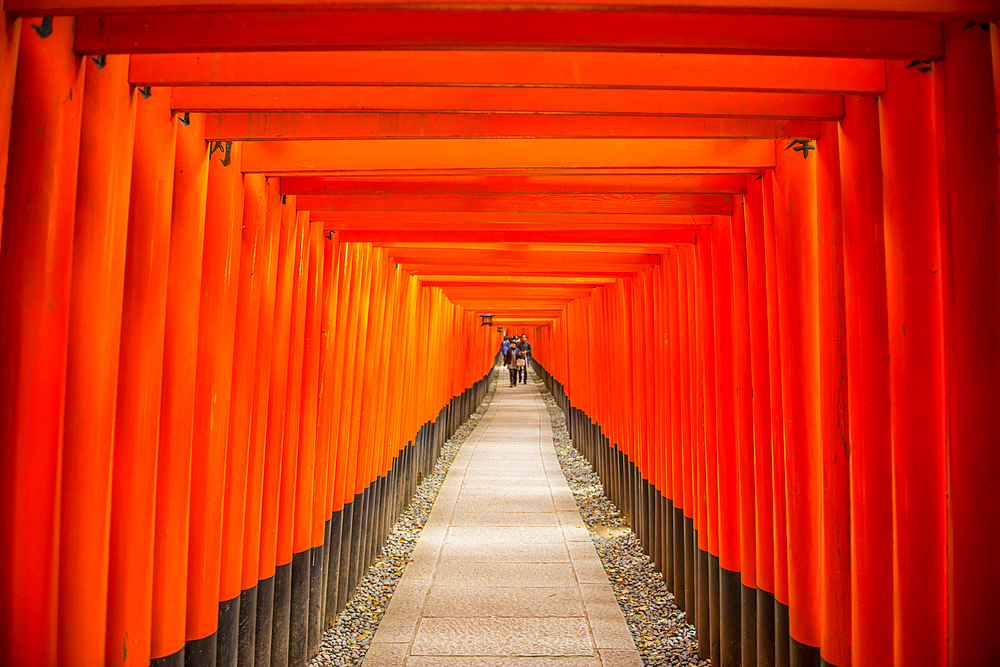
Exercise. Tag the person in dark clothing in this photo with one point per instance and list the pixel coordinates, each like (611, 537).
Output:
(525, 348)
(510, 361)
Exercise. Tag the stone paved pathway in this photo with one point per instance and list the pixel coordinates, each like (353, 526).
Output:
(504, 573)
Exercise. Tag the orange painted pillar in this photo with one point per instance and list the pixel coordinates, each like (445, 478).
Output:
(676, 521)
(702, 556)
(99, 236)
(213, 392)
(340, 344)
(326, 530)
(687, 431)
(248, 291)
(140, 384)
(10, 40)
(282, 644)
(916, 378)
(709, 347)
(730, 595)
(797, 276)
(761, 384)
(35, 272)
(772, 193)
(180, 351)
(868, 384)
(272, 599)
(835, 603)
(745, 436)
(970, 202)
(304, 597)
(256, 598)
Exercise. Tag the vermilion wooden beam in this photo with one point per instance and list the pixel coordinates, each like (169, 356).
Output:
(519, 289)
(599, 236)
(376, 30)
(679, 71)
(982, 9)
(276, 157)
(493, 99)
(241, 126)
(478, 281)
(550, 271)
(447, 220)
(452, 257)
(515, 182)
(518, 281)
(654, 248)
(664, 204)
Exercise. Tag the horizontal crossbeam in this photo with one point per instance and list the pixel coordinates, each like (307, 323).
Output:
(515, 29)
(241, 126)
(515, 182)
(299, 157)
(678, 71)
(979, 9)
(652, 237)
(494, 99)
(589, 204)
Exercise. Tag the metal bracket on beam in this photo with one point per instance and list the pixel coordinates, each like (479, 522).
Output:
(921, 65)
(45, 29)
(185, 118)
(802, 146)
(146, 92)
(100, 61)
(227, 150)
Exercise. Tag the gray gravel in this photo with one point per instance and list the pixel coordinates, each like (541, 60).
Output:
(659, 628)
(346, 643)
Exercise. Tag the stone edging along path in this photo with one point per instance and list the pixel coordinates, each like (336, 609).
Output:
(659, 629)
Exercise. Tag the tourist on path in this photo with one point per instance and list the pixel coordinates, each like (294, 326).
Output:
(513, 354)
(525, 348)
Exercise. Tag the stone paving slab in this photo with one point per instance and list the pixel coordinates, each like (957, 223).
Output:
(504, 573)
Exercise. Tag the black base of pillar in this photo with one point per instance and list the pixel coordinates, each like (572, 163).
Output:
(227, 637)
(691, 613)
(200, 652)
(782, 636)
(248, 627)
(298, 626)
(714, 613)
(730, 617)
(281, 616)
(316, 597)
(333, 568)
(175, 659)
(704, 623)
(344, 570)
(680, 579)
(262, 631)
(803, 655)
(749, 616)
(765, 629)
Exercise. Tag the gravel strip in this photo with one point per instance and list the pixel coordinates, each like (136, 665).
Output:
(658, 627)
(346, 643)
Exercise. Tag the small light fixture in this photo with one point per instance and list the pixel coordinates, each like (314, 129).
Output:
(487, 319)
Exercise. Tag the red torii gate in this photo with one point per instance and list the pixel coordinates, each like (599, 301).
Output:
(810, 451)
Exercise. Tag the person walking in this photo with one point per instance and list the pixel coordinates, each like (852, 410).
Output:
(524, 347)
(504, 347)
(513, 354)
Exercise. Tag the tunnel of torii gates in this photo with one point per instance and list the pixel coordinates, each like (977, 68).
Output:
(245, 249)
